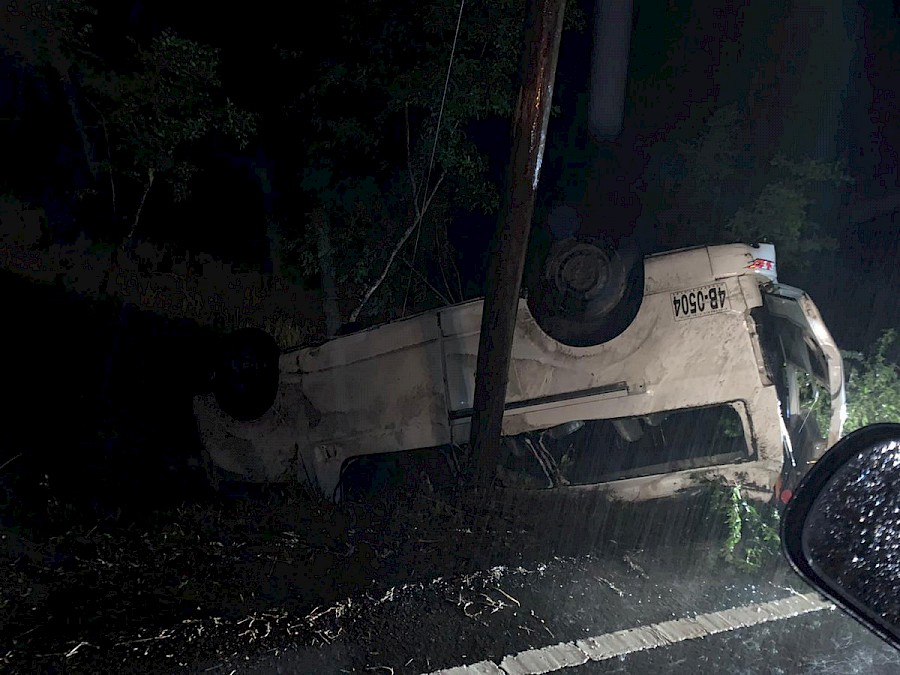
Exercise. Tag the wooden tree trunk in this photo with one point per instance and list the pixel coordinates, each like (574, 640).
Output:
(63, 68)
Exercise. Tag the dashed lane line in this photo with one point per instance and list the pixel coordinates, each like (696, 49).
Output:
(620, 643)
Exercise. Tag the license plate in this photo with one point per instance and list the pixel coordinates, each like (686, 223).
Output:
(701, 301)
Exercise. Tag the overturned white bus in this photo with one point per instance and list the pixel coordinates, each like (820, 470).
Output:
(708, 374)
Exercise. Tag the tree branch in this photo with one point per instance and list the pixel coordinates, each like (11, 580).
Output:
(441, 254)
(425, 281)
(396, 251)
(137, 215)
(112, 183)
(865, 210)
(409, 166)
(458, 280)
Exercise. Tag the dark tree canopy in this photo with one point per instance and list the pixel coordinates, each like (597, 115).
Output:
(340, 145)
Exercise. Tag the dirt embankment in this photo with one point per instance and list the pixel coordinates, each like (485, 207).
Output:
(175, 286)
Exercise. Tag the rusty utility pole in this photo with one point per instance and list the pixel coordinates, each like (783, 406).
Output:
(531, 115)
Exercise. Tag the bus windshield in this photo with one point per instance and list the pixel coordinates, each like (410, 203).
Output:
(810, 372)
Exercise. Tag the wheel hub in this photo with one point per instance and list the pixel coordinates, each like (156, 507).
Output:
(583, 270)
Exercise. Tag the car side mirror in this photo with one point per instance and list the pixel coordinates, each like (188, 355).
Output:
(841, 529)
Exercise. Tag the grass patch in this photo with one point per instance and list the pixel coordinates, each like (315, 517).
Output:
(752, 529)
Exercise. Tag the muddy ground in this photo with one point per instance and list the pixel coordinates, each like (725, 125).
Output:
(144, 590)
(404, 583)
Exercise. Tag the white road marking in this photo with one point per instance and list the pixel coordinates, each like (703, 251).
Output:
(601, 647)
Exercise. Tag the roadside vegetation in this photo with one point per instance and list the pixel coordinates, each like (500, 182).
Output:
(751, 535)
(873, 383)
(873, 395)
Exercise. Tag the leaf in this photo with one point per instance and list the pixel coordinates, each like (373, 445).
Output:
(873, 384)
(167, 103)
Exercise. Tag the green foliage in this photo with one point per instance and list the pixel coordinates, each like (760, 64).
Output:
(873, 395)
(170, 101)
(390, 82)
(779, 213)
(20, 224)
(482, 84)
(729, 426)
(48, 34)
(154, 105)
(714, 154)
(379, 137)
(873, 384)
(726, 191)
(810, 171)
(357, 216)
(751, 530)
(815, 401)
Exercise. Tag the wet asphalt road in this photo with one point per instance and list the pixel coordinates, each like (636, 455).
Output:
(450, 623)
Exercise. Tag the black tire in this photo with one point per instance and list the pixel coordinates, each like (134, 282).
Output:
(245, 382)
(589, 292)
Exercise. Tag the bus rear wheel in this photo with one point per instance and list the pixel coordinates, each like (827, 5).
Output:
(588, 292)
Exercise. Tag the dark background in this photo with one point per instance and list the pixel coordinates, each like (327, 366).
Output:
(687, 59)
